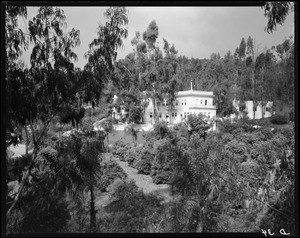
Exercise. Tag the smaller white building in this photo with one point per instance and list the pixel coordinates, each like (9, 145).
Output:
(118, 113)
(263, 110)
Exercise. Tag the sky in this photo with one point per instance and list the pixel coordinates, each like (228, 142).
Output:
(195, 31)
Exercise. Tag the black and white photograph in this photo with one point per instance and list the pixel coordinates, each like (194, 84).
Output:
(141, 119)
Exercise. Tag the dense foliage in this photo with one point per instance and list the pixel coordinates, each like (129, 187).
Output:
(240, 178)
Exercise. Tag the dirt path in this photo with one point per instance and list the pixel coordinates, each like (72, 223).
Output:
(144, 182)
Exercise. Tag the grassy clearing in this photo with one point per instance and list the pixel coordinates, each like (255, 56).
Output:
(122, 135)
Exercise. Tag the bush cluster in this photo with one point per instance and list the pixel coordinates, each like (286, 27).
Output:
(279, 119)
(110, 171)
(144, 161)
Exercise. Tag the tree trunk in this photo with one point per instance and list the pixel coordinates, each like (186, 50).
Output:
(107, 142)
(27, 140)
(92, 211)
(263, 104)
(22, 185)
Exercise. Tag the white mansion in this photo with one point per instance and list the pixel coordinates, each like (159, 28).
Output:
(189, 102)
(193, 102)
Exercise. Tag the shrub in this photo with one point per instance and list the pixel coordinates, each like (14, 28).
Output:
(110, 171)
(160, 173)
(131, 155)
(119, 148)
(279, 119)
(238, 149)
(143, 163)
(130, 210)
(267, 133)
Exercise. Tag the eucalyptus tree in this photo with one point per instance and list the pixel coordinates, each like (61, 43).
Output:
(43, 89)
(242, 49)
(285, 71)
(276, 13)
(147, 55)
(102, 52)
(51, 82)
(265, 83)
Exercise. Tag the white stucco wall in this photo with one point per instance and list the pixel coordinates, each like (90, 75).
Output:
(186, 103)
(261, 111)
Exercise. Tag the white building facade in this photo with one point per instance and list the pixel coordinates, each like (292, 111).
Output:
(189, 102)
(262, 110)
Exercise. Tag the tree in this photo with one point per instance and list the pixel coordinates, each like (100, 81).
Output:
(250, 47)
(82, 166)
(153, 76)
(107, 125)
(103, 51)
(132, 130)
(197, 124)
(242, 49)
(161, 130)
(51, 82)
(46, 86)
(72, 114)
(276, 13)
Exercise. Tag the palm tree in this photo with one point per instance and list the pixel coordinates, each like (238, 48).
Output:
(82, 165)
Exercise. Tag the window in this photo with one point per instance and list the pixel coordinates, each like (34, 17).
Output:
(176, 102)
(185, 114)
(201, 101)
(175, 114)
(268, 109)
(185, 102)
(160, 114)
(205, 102)
(181, 115)
(208, 114)
(167, 116)
(172, 114)
(150, 114)
(254, 109)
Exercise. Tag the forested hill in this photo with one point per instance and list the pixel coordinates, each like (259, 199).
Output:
(249, 73)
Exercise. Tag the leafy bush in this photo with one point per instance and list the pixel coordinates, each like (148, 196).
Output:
(279, 119)
(226, 126)
(110, 171)
(227, 137)
(130, 209)
(238, 149)
(143, 163)
(120, 149)
(131, 155)
(266, 132)
(161, 130)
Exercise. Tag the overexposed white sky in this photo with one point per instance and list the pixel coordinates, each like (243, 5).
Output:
(195, 31)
